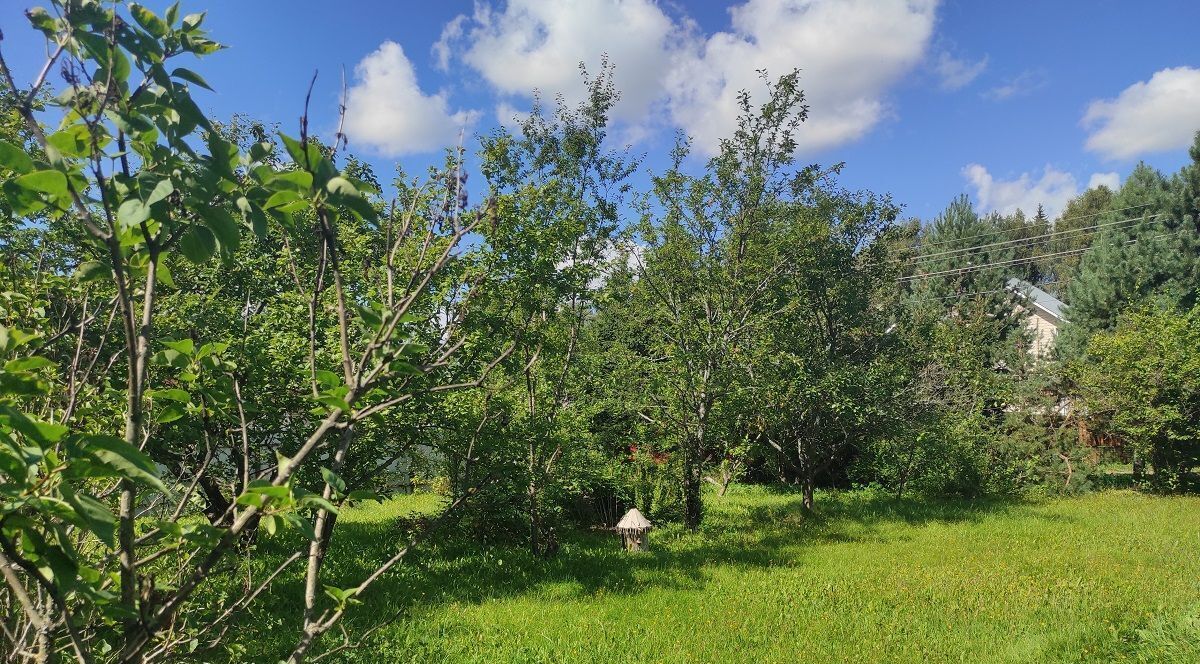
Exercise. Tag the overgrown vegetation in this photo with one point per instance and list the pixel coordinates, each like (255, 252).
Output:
(222, 341)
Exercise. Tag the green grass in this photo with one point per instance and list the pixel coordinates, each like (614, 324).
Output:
(1113, 576)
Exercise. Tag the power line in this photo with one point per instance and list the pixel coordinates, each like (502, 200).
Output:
(1029, 240)
(1009, 230)
(974, 268)
(1015, 261)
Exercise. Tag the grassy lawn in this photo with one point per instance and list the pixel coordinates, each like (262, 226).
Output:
(1109, 576)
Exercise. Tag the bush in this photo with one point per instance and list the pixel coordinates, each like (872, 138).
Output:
(1142, 383)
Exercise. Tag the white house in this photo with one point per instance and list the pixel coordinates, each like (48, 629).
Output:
(1046, 315)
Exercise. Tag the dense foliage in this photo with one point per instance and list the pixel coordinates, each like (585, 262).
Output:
(217, 336)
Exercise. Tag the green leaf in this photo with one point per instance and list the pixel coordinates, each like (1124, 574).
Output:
(73, 141)
(331, 402)
(91, 271)
(164, 274)
(42, 20)
(31, 363)
(128, 461)
(169, 413)
(149, 21)
(281, 198)
(342, 596)
(314, 500)
(193, 21)
(261, 492)
(14, 158)
(43, 433)
(253, 215)
(260, 151)
(294, 149)
(204, 46)
(301, 181)
(46, 182)
(270, 523)
(94, 514)
(340, 186)
(198, 244)
(184, 346)
(223, 226)
(212, 348)
(191, 77)
(302, 525)
(161, 190)
(332, 479)
(172, 394)
(132, 213)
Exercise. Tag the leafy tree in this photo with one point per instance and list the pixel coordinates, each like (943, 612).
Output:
(133, 188)
(711, 260)
(1142, 382)
(558, 189)
(822, 376)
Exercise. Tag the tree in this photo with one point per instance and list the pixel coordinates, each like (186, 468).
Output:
(134, 187)
(1153, 254)
(711, 261)
(1142, 382)
(558, 190)
(1075, 230)
(821, 372)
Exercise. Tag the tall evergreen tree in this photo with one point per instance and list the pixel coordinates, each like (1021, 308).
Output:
(1154, 256)
(1074, 231)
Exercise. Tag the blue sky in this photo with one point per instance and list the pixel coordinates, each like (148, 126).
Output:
(1015, 103)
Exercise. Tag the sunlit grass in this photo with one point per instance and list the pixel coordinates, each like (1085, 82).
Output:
(1110, 576)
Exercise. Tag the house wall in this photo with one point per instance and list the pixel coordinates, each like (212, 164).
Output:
(1043, 329)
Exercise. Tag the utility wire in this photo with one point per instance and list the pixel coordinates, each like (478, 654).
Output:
(920, 245)
(1028, 240)
(1028, 259)
(973, 268)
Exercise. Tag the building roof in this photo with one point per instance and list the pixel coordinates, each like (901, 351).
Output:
(633, 521)
(1039, 298)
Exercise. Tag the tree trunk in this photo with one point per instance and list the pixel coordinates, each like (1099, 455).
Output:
(216, 505)
(692, 480)
(534, 521)
(807, 490)
(726, 479)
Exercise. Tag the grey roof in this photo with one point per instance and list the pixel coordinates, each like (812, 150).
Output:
(1040, 298)
(633, 521)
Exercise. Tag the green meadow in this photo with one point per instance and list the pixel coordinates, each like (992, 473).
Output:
(1111, 576)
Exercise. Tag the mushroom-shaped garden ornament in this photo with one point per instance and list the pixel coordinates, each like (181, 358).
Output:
(634, 530)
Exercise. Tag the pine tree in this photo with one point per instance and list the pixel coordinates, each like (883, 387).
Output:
(1157, 256)
(1074, 231)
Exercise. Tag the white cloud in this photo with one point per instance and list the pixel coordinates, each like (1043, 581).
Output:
(849, 52)
(955, 73)
(510, 116)
(445, 44)
(1019, 86)
(537, 45)
(1149, 116)
(387, 111)
(1053, 190)
(1110, 180)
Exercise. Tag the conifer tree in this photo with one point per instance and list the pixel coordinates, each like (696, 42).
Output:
(1155, 256)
